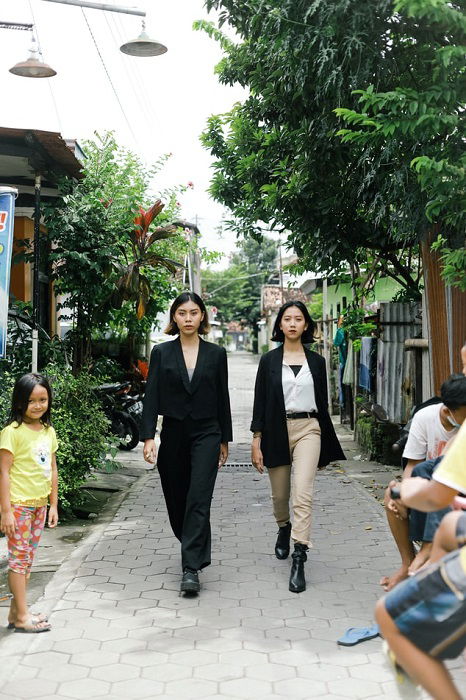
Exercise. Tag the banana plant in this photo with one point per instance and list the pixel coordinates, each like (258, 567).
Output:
(133, 284)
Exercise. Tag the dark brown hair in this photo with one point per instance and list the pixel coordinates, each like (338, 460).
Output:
(22, 390)
(307, 337)
(172, 328)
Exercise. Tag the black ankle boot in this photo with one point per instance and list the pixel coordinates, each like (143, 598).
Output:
(282, 546)
(297, 580)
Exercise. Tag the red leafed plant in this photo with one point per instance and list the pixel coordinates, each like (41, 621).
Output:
(133, 284)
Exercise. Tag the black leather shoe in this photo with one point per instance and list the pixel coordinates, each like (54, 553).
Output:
(297, 580)
(282, 546)
(190, 582)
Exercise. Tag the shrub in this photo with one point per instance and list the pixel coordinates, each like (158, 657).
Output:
(81, 427)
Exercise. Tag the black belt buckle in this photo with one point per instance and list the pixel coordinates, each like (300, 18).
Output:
(300, 414)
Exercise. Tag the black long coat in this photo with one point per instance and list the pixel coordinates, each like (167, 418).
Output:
(269, 410)
(170, 393)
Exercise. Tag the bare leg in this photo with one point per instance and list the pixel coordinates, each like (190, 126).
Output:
(18, 607)
(400, 531)
(445, 539)
(421, 558)
(422, 668)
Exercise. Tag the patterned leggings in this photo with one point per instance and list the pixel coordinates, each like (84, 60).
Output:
(30, 522)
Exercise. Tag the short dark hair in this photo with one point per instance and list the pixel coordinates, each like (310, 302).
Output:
(172, 328)
(453, 391)
(308, 335)
(22, 390)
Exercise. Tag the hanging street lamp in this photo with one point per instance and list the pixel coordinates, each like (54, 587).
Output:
(142, 46)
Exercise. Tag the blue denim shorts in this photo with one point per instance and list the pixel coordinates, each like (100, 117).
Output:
(429, 608)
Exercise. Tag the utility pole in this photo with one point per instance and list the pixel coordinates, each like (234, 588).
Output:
(36, 275)
(325, 329)
(195, 263)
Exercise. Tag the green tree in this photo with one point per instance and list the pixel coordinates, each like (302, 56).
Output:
(423, 121)
(279, 160)
(96, 244)
(236, 291)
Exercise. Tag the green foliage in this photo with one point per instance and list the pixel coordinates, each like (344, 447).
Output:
(104, 369)
(81, 429)
(133, 283)
(278, 159)
(236, 291)
(395, 75)
(423, 120)
(90, 230)
(6, 390)
(453, 263)
(355, 325)
(315, 306)
(19, 352)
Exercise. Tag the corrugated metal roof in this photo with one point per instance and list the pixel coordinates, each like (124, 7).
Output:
(55, 150)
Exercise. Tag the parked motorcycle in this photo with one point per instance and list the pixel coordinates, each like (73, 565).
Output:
(124, 411)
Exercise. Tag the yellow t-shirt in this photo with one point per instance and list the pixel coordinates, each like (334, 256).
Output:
(452, 471)
(31, 471)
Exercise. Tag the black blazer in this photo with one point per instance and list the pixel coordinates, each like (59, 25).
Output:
(170, 393)
(269, 410)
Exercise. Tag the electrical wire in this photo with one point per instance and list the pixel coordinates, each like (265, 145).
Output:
(52, 94)
(117, 19)
(109, 78)
(131, 79)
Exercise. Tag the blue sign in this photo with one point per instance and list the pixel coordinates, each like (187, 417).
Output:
(7, 215)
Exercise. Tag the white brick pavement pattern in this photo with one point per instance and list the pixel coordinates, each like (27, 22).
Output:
(120, 630)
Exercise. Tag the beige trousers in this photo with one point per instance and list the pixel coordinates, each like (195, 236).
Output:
(297, 480)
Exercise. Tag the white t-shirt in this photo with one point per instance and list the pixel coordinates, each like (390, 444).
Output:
(298, 392)
(427, 436)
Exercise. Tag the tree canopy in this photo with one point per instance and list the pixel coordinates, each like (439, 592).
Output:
(111, 269)
(236, 291)
(281, 157)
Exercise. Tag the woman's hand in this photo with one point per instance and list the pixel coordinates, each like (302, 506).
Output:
(223, 454)
(150, 451)
(257, 458)
(8, 524)
(53, 516)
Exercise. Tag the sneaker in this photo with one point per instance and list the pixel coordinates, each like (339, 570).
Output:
(190, 582)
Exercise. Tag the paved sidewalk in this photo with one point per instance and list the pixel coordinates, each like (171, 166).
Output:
(120, 630)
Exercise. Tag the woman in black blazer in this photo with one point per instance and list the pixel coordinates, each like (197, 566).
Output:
(188, 385)
(291, 426)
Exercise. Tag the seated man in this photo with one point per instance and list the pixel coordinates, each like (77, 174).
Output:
(431, 429)
(423, 619)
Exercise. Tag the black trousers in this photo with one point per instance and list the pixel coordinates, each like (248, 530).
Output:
(188, 467)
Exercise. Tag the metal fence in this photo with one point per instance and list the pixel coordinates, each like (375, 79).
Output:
(395, 366)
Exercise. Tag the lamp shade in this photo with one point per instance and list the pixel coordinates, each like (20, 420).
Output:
(143, 46)
(32, 68)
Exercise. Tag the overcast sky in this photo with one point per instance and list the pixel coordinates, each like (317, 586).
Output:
(165, 100)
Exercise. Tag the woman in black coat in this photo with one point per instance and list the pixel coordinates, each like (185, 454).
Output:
(291, 427)
(188, 385)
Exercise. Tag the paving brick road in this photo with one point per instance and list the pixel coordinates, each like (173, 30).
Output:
(120, 630)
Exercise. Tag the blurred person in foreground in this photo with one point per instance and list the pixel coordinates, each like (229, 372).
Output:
(423, 619)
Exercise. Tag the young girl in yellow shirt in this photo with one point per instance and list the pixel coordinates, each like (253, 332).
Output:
(28, 478)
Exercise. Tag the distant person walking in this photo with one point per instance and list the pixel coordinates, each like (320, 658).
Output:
(292, 431)
(28, 478)
(188, 385)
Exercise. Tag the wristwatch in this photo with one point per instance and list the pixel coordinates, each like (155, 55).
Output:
(395, 494)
